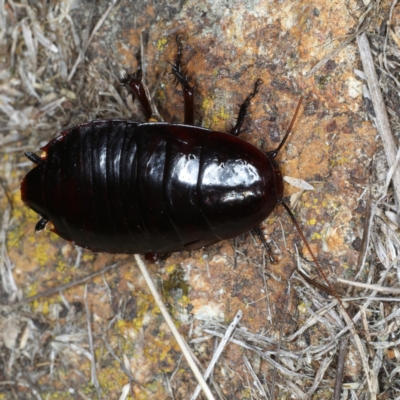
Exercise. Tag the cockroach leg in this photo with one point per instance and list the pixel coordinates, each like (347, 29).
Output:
(33, 157)
(188, 91)
(244, 108)
(135, 84)
(154, 257)
(258, 232)
(275, 152)
(41, 224)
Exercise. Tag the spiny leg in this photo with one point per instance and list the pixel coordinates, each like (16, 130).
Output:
(275, 152)
(244, 108)
(258, 231)
(135, 84)
(329, 288)
(41, 224)
(153, 257)
(33, 157)
(188, 91)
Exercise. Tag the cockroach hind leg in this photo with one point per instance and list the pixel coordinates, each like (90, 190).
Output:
(135, 84)
(243, 112)
(153, 257)
(33, 157)
(188, 90)
(41, 224)
(129, 78)
(275, 152)
(259, 233)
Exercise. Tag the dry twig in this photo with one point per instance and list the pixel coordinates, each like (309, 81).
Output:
(382, 120)
(182, 344)
(219, 350)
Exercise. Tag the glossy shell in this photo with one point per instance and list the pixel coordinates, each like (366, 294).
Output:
(120, 186)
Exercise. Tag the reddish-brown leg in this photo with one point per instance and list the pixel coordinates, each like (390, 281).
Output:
(135, 84)
(188, 91)
(153, 257)
(258, 231)
(244, 107)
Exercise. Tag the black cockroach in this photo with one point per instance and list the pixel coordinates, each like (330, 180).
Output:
(120, 186)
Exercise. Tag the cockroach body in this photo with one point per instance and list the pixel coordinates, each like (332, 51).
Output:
(120, 186)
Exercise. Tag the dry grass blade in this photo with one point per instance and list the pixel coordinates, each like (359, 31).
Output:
(331, 55)
(60, 288)
(219, 350)
(320, 374)
(125, 392)
(262, 354)
(365, 238)
(258, 384)
(339, 375)
(90, 38)
(370, 374)
(279, 344)
(376, 288)
(182, 344)
(95, 381)
(382, 120)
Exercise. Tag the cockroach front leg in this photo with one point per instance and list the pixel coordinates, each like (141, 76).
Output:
(136, 85)
(188, 91)
(244, 108)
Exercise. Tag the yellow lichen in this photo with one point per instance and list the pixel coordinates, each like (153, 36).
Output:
(207, 104)
(26, 219)
(302, 308)
(42, 255)
(45, 307)
(121, 324)
(176, 281)
(111, 377)
(223, 114)
(184, 301)
(339, 161)
(207, 109)
(31, 290)
(161, 95)
(61, 266)
(247, 393)
(161, 43)
(87, 257)
(144, 302)
(170, 269)
(161, 349)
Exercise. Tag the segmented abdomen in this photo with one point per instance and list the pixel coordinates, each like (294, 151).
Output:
(121, 187)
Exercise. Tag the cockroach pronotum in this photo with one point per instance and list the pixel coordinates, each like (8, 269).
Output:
(120, 186)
